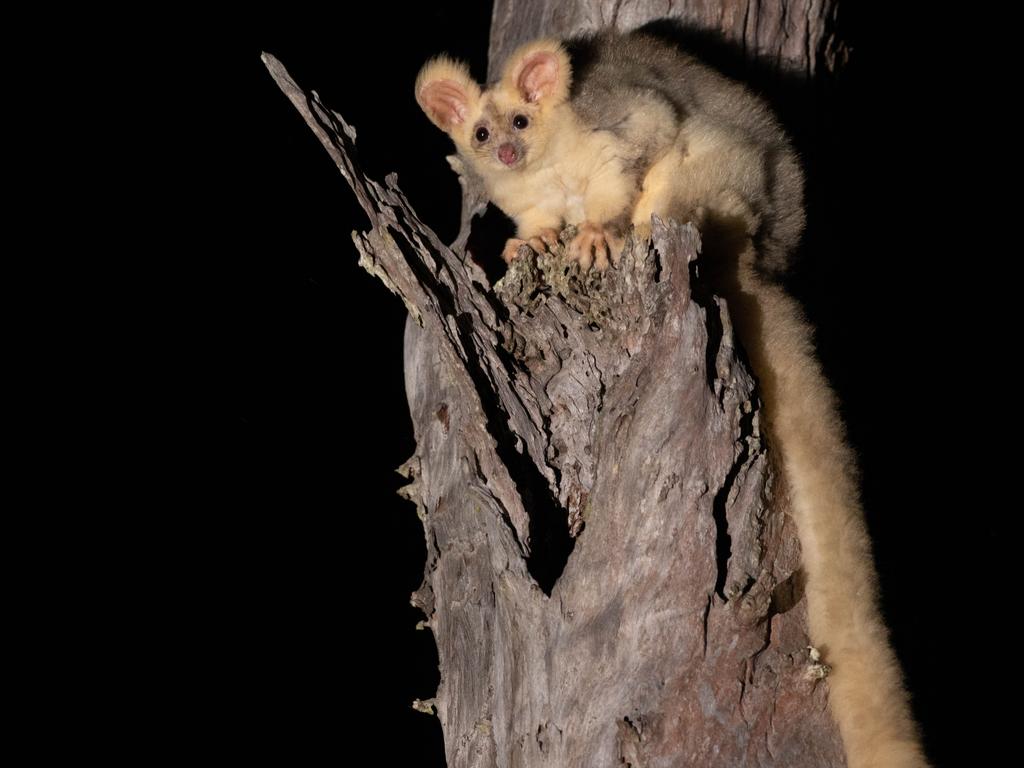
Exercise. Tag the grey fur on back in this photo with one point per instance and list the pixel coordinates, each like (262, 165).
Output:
(613, 74)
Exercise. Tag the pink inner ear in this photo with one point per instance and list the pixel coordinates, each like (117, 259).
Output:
(446, 101)
(538, 76)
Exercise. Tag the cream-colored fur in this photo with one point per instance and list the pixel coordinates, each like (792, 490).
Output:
(630, 144)
(565, 175)
(866, 692)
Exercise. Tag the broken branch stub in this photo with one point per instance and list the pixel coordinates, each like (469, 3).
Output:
(610, 578)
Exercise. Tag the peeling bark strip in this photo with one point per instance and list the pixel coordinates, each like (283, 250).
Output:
(609, 579)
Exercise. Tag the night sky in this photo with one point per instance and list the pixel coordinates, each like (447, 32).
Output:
(311, 556)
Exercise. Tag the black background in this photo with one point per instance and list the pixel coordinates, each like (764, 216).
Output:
(308, 559)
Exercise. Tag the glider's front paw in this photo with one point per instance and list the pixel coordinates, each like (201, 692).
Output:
(545, 240)
(595, 245)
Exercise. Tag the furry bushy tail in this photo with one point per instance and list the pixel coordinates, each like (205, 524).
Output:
(866, 692)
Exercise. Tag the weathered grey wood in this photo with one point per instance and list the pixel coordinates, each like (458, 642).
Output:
(797, 36)
(675, 635)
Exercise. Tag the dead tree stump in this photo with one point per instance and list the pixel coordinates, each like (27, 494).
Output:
(611, 576)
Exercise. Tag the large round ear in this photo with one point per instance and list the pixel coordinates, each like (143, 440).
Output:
(446, 92)
(539, 72)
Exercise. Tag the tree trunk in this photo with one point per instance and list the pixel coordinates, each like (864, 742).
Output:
(796, 37)
(611, 576)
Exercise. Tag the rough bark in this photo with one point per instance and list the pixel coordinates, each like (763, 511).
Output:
(611, 578)
(798, 37)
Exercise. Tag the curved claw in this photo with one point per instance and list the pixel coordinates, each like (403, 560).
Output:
(550, 237)
(546, 240)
